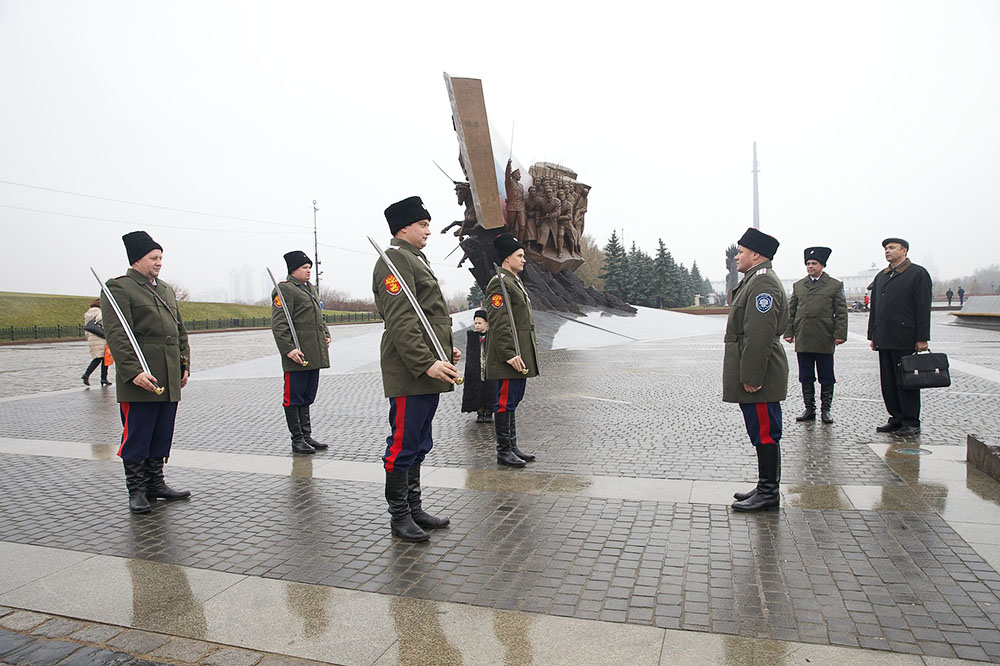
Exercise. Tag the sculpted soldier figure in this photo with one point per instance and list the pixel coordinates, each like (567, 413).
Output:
(301, 364)
(149, 307)
(817, 323)
(550, 209)
(413, 377)
(516, 219)
(754, 368)
(532, 208)
(511, 350)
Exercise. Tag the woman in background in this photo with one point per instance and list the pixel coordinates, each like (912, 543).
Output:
(95, 344)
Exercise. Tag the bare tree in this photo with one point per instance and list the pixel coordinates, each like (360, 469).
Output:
(593, 265)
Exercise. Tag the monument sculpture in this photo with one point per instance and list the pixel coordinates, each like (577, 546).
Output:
(543, 206)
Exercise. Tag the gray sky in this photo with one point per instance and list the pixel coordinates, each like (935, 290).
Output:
(872, 119)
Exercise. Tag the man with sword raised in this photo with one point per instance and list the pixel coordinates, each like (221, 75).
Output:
(150, 345)
(416, 368)
(303, 340)
(511, 349)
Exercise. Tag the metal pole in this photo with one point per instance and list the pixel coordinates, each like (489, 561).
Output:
(756, 169)
(316, 251)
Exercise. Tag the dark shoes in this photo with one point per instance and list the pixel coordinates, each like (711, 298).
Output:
(299, 443)
(906, 431)
(105, 382)
(401, 524)
(135, 481)
(420, 517)
(765, 496)
(306, 424)
(156, 487)
(826, 402)
(890, 426)
(484, 417)
(86, 380)
(742, 496)
(507, 451)
(809, 399)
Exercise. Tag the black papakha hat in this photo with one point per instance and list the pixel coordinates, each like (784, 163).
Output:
(480, 314)
(759, 242)
(138, 244)
(297, 258)
(896, 240)
(505, 245)
(820, 254)
(404, 213)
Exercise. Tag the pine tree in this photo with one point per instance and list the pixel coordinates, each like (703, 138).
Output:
(685, 292)
(696, 280)
(615, 270)
(476, 296)
(664, 270)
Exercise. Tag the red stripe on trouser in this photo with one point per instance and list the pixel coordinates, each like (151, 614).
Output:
(504, 388)
(765, 423)
(124, 408)
(397, 433)
(288, 390)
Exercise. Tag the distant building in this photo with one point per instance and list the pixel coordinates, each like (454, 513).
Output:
(246, 285)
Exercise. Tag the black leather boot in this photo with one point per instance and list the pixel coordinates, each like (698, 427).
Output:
(401, 524)
(746, 495)
(104, 375)
(307, 428)
(299, 443)
(156, 487)
(502, 425)
(769, 470)
(526, 457)
(825, 402)
(135, 481)
(809, 398)
(420, 517)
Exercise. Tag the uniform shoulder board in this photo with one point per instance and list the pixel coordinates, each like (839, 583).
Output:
(762, 271)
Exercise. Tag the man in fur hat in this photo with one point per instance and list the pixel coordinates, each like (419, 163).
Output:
(817, 323)
(301, 366)
(149, 305)
(755, 369)
(503, 363)
(413, 377)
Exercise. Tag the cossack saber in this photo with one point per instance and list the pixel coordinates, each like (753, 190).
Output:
(288, 317)
(128, 330)
(510, 317)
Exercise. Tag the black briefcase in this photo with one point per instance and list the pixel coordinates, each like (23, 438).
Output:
(924, 370)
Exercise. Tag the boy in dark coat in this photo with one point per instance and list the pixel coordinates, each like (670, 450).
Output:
(479, 393)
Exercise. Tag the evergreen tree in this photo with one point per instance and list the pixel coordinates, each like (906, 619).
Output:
(476, 296)
(642, 278)
(696, 280)
(665, 275)
(685, 292)
(615, 270)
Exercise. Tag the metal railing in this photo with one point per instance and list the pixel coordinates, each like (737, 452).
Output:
(14, 333)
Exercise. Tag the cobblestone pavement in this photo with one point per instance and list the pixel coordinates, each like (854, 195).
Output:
(892, 580)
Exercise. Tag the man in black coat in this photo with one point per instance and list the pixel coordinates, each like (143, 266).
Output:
(899, 324)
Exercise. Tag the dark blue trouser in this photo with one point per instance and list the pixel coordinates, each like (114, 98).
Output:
(410, 417)
(510, 392)
(763, 421)
(300, 387)
(811, 364)
(902, 404)
(147, 429)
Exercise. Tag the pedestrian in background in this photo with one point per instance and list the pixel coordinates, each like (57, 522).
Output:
(478, 392)
(95, 344)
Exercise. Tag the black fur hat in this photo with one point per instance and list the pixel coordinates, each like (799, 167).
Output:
(297, 258)
(820, 254)
(505, 245)
(138, 244)
(404, 213)
(759, 242)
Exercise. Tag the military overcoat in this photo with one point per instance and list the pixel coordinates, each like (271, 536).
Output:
(817, 314)
(153, 315)
(307, 315)
(407, 351)
(754, 355)
(500, 341)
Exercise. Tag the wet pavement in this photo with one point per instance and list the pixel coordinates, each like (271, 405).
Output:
(617, 546)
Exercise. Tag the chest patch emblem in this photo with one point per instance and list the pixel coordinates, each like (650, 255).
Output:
(392, 285)
(764, 302)
(277, 301)
(496, 300)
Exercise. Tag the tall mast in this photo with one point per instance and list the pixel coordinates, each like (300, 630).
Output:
(756, 169)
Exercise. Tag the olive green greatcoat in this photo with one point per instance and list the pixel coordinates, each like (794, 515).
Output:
(159, 330)
(754, 355)
(303, 304)
(817, 314)
(407, 351)
(500, 341)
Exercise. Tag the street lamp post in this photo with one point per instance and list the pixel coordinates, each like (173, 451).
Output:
(316, 253)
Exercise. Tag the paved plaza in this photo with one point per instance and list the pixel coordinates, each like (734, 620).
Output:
(616, 547)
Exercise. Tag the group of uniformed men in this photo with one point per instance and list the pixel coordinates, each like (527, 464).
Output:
(152, 354)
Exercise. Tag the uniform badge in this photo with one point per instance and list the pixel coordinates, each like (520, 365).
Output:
(764, 302)
(496, 300)
(392, 285)
(277, 301)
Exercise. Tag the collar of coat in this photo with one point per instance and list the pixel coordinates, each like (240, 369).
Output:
(899, 269)
(401, 244)
(516, 280)
(821, 278)
(765, 265)
(139, 277)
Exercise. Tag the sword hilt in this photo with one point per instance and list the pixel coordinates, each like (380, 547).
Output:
(159, 390)
(460, 380)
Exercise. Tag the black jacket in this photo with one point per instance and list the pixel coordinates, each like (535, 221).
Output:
(477, 392)
(901, 307)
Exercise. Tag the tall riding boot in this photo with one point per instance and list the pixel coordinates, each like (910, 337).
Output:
(156, 487)
(299, 443)
(502, 423)
(306, 424)
(825, 402)
(90, 369)
(135, 481)
(526, 457)
(420, 517)
(104, 375)
(769, 470)
(401, 524)
(809, 398)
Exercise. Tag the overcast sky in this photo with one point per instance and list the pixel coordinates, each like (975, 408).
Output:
(872, 119)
